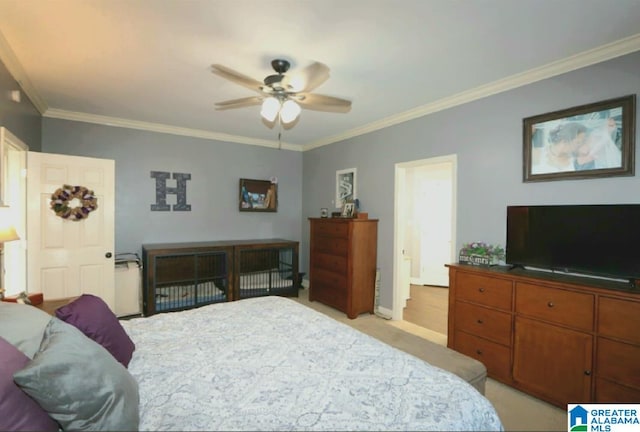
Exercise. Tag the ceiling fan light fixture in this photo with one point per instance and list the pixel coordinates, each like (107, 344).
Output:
(282, 95)
(290, 111)
(270, 109)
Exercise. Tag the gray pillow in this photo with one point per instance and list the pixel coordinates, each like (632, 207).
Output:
(23, 326)
(79, 383)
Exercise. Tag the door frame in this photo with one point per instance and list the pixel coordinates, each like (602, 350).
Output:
(401, 201)
(15, 253)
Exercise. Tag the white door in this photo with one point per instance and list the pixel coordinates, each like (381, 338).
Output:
(67, 258)
(433, 185)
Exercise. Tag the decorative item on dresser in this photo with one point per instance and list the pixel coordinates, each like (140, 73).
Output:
(342, 267)
(561, 338)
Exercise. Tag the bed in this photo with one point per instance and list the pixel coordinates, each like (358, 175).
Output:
(270, 363)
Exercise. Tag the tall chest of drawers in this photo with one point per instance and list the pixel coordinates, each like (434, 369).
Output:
(342, 263)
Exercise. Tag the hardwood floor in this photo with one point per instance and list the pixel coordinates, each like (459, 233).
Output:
(428, 307)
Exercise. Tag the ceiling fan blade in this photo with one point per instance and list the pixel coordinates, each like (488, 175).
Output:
(307, 79)
(238, 103)
(319, 102)
(237, 77)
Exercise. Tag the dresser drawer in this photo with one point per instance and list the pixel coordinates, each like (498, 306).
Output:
(480, 321)
(484, 290)
(610, 392)
(557, 305)
(331, 245)
(495, 357)
(619, 318)
(619, 362)
(331, 229)
(334, 263)
(327, 277)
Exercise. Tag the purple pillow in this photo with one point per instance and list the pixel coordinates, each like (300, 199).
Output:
(92, 316)
(18, 412)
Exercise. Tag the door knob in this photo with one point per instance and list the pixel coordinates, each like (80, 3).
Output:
(108, 255)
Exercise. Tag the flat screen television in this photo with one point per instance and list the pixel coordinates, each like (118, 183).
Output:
(601, 240)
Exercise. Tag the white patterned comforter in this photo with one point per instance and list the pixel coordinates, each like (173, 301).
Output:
(269, 363)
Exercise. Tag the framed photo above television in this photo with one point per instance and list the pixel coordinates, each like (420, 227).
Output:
(594, 140)
(258, 195)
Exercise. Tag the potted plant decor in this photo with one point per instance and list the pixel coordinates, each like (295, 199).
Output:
(481, 253)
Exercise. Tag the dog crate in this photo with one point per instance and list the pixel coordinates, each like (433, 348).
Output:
(178, 276)
(270, 269)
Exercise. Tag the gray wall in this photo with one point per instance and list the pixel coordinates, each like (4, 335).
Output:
(212, 192)
(21, 119)
(485, 134)
(487, 137)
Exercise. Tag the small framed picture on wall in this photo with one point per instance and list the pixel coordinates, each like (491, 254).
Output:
(258, 196)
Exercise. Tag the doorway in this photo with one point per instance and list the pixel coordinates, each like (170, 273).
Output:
(424, 238)
(13, 193)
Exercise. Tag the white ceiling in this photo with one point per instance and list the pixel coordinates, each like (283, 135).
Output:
(146, 63)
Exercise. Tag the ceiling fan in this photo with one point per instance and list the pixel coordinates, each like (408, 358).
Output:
(282, 95)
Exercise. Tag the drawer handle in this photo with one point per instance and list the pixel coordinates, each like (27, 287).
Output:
(479, 352)
(550, 304)
(587, 372)
(481, 289)
(480, 321)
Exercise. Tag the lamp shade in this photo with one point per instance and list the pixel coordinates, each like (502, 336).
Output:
(290, 111)
(270, 108)
(7, 230)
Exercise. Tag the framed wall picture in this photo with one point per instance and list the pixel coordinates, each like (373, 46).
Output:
(594, 140)
(258, 195)
(345, 186)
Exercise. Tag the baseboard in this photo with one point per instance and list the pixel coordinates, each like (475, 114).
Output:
(384, 312)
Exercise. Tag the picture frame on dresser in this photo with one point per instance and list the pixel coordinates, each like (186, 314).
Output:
(348, 210)
(586, 141)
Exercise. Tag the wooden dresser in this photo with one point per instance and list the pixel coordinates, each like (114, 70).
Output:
(342, 268)
(561, 338)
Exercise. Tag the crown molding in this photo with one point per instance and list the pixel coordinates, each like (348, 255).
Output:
(578, 61)
(166, 129)
(12, 63)
(586, 58)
